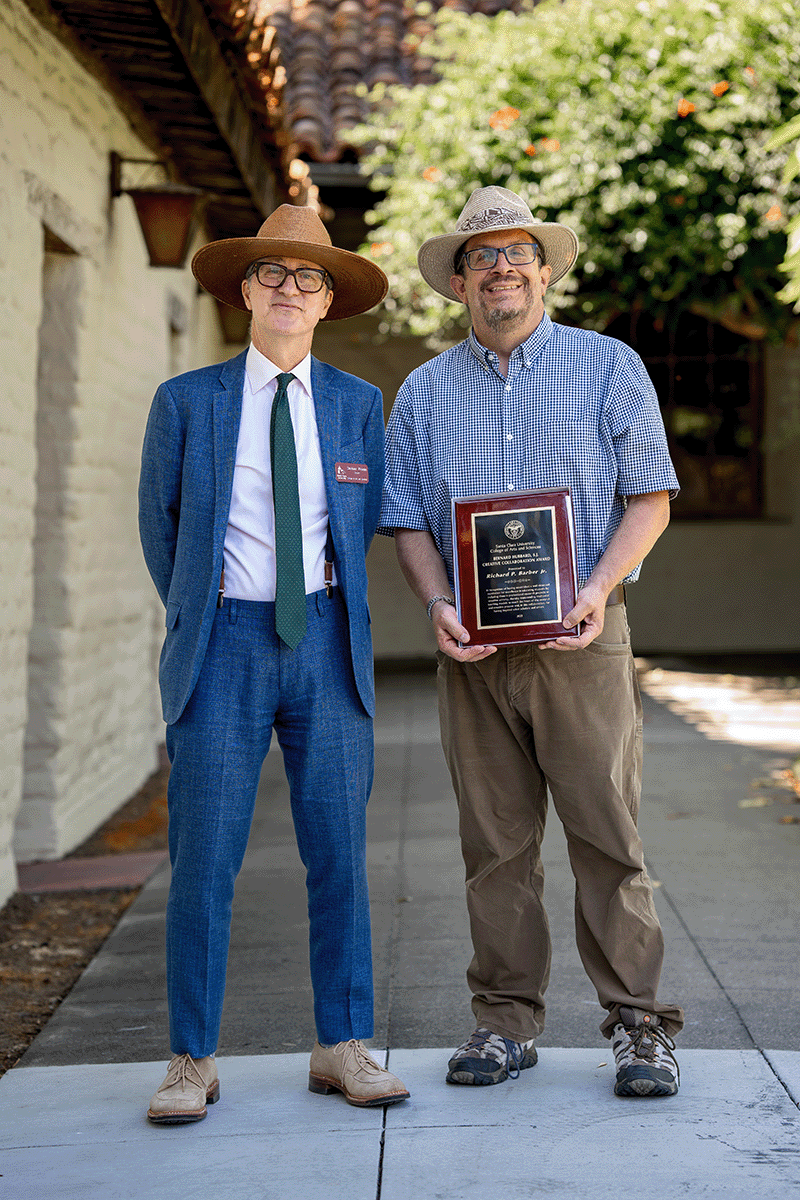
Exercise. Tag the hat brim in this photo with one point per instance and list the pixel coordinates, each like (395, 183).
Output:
(358, 284)
(435, 257)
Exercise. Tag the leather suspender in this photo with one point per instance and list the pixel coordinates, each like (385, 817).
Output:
(328, 571)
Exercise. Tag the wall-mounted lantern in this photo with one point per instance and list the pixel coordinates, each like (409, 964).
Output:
(167, 211)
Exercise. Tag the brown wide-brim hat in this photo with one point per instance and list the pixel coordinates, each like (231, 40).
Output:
(488, 210)
(291, 231)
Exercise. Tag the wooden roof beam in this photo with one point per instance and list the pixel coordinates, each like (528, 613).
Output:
(198, 46)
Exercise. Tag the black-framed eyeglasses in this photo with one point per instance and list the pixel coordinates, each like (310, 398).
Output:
(519, 254)
(272, 275)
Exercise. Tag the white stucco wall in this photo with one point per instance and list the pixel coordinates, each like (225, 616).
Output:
(74, 592)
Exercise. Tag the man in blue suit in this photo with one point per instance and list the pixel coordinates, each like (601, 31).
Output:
(259, 496)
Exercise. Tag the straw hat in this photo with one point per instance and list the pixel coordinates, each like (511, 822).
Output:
(291, 231)
(488, 210)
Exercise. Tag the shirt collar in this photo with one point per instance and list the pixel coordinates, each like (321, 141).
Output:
(530, 349)
(260, 370)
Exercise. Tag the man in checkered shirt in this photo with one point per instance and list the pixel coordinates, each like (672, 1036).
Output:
(524, 404)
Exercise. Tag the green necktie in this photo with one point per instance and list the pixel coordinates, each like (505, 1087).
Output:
(290, 584)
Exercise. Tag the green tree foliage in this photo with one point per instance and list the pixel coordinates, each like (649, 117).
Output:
(640, 123)
(791, 264)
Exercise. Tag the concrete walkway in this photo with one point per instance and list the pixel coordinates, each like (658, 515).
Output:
(72, 1113)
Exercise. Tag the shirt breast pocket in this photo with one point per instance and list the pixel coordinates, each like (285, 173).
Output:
(564, 411)
(564, 433)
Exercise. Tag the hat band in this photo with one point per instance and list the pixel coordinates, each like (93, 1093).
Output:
(495, 216)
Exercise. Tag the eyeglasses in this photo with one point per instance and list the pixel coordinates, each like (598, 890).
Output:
(518, 255)
(272, 275)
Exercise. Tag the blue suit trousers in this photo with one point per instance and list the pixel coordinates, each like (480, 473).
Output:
(250, 683)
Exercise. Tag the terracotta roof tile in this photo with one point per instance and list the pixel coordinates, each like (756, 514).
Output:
(305, 58)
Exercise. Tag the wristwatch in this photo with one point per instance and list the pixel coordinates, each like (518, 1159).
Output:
(434, 599)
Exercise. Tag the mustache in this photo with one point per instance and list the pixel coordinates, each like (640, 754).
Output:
(515, 279)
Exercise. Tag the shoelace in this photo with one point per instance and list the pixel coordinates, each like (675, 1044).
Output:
(514, 1053)
(183, 1069)
(360, 1054)
(513, 1050)
(652, 1034)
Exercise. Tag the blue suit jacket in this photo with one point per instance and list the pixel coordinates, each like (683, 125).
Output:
(185, 495)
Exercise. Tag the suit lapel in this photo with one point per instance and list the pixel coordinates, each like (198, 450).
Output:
(227, 412)
(327, 405)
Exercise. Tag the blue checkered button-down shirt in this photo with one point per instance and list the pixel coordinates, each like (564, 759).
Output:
(577, 409)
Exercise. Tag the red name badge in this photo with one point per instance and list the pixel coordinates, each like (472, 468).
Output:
(352, 473)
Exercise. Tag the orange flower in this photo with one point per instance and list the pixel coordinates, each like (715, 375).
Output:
(678, 201)
(551, 144)
(751, 75)
(504, 118)
(773, 214)
(379, 248)
(530, 150)
(719, 89)
(432, 174)
(684, 108)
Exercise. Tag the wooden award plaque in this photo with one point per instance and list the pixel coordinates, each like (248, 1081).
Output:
(514, 563)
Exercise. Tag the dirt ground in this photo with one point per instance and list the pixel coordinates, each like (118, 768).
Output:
(47, 939)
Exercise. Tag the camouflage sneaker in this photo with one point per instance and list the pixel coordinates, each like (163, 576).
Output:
(646, 1065)
(490, 1058)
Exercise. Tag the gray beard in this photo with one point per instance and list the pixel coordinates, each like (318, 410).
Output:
(496, 318)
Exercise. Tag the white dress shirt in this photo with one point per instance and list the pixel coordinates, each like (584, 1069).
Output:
(250, 536)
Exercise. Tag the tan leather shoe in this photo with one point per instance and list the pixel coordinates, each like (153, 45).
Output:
(347, 1068)
(190, 1085)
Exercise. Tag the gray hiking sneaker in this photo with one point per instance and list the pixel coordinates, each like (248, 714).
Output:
(646, 1065)
(490, 1058)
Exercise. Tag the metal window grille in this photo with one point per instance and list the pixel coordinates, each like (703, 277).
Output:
(710, 385)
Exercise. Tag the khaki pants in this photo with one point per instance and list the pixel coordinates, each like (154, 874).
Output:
(513, 725)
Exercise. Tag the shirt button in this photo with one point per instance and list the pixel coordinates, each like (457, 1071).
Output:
(509, 487)
(508, 387)
(510, 437)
